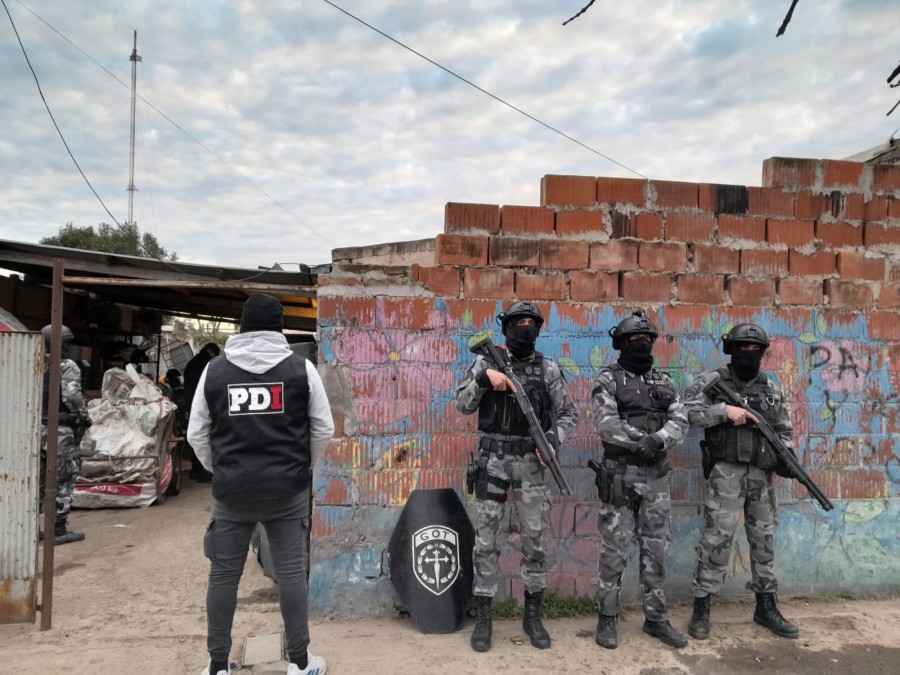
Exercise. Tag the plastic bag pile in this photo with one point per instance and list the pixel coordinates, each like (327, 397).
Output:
(130, 457)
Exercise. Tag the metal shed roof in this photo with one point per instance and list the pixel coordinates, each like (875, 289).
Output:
(177, 288)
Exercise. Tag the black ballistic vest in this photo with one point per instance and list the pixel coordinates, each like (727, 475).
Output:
(499, 413)
(45, 398)
(643, 402)
(259, 431)
(741, 444)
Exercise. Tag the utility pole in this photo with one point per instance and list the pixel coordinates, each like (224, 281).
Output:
(131, 189)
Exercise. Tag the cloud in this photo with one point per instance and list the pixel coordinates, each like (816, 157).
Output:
(319, 133)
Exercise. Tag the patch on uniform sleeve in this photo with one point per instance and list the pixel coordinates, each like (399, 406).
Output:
(603, 382)
(605, 376)
(693, 390)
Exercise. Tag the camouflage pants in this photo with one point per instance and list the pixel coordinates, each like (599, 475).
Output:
(646, 518)
(525, 476)
(732, 489)
(68, 464)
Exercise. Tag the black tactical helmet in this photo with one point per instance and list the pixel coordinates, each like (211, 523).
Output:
(745, 332)
(636, 323)
(518, 310)
(65, 335)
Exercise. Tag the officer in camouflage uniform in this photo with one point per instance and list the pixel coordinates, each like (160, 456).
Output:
(738, 465)
(73, 419)
(507, 459)
(639, 418)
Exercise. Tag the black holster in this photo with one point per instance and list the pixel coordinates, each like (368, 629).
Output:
(470, 474)
(600, 480)
(480, 480)
(708, 460)
(611, 488)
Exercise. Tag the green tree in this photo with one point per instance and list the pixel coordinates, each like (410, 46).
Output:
(124, 239)
(209, 331)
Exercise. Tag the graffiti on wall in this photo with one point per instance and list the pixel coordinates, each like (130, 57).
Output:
(843, 388)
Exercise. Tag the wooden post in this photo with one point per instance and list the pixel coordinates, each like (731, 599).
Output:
(50, 474)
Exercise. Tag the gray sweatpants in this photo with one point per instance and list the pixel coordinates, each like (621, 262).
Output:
(226, 543)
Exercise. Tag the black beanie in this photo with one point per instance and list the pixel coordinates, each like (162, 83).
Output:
(262, 312)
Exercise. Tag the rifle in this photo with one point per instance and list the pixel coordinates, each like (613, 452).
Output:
(495, 359)
(782, 452)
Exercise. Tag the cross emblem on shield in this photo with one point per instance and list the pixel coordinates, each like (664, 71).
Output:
(435, 552)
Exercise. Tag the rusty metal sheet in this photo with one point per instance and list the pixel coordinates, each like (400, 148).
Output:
(21, 372)
(17, 600)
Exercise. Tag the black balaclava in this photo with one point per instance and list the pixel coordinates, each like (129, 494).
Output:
(746, 362)
(520, 340)
(636, 356)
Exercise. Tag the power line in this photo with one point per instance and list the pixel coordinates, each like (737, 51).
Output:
(52, 119)
(63, 138)
(485, 91)
(179, 127)
(371, 27)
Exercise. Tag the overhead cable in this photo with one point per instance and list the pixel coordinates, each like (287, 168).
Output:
(485, 91)
(181, 129)
(52, 119)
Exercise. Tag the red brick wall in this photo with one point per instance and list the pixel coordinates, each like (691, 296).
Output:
(811, 221)
(813, 255)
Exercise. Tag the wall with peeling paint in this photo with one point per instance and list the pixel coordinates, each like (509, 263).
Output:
(813, 256)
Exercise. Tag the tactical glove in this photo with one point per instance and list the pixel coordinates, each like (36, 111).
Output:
(649, 447)
(552, 439)
(785, 470)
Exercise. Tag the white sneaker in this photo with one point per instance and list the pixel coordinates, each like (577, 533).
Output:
(205, 671)
(315, 665)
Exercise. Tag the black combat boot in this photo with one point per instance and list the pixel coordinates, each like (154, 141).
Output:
(607, 635)
(663, 631)
(767, 615)
(698, 628)
(481, 636)
(61, 534)
(531, 622)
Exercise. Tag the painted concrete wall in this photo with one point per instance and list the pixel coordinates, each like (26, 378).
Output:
(813, 256)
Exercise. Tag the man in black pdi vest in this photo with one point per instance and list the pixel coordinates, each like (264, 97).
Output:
(259, 421)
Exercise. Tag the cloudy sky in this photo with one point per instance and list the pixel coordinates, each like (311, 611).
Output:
(294, 129)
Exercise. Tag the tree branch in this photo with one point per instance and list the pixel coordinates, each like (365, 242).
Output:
(787, 19)
(584, 9)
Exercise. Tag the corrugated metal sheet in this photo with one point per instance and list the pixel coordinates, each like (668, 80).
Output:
(21, 369)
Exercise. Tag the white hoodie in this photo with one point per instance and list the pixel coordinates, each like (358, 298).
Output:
(258, 352)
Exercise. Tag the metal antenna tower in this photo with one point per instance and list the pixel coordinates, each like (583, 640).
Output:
(131, 189)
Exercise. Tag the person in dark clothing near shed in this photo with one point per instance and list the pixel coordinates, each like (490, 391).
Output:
(192, 372)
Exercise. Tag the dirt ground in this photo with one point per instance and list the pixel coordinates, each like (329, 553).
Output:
(130, 598)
